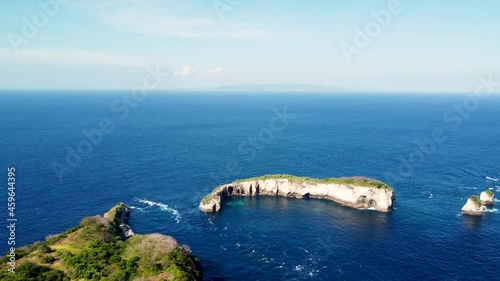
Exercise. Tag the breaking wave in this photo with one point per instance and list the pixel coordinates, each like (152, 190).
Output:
(164, 207)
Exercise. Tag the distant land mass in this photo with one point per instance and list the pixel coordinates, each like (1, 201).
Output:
(288, 87)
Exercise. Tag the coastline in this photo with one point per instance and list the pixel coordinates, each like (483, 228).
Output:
(356, 192)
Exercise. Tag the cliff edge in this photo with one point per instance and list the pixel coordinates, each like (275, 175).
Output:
(102, 248)
(473, 207)
(356, 192)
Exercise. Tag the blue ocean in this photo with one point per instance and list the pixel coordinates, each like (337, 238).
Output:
(163, 154)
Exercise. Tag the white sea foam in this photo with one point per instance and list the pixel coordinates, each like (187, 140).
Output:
(304, 250)
(164, 207)
(497, 200)
(491, 179)
(299, 267)
(490, 211)
(313, 273)
(137, 208)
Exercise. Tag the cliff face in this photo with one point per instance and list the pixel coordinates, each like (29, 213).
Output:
(487, 198)
(119, 216)
(473, 207)
(350, 195)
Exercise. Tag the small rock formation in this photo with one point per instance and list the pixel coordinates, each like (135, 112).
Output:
(127, 230)
(358, 192)
(119, 215)
(473, 207)
(487, 198)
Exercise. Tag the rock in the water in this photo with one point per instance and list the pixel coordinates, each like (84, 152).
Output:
(487, 198)
(120, 213)
(359, 192)
(473, 207)
(211, 203)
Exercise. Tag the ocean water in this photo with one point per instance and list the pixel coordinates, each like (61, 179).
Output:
(173, 148)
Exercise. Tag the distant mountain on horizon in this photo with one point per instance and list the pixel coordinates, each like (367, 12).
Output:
(274, 87)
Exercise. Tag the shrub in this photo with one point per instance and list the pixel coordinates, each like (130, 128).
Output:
(43, 248)
(47, 259)
(91, 263)
(30, 271)
(182, 265)
(476, 200)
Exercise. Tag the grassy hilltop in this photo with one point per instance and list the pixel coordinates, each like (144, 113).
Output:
(96, 249)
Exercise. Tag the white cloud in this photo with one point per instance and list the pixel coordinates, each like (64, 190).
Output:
(186, 70)
(215, 71)
(149, 23)
(80, 57)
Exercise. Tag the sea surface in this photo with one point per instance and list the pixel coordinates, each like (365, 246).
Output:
(171, 149)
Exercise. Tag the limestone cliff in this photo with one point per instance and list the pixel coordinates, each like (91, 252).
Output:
(487, 198)
(473, 207)
(358, 192)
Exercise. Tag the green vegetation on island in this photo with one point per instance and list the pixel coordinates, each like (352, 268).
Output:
(359, 181)
(489, 192)
(476, 200)
(96, 249)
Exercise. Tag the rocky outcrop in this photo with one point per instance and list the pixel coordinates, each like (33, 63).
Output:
(65, 256)
(127, 230)
(118, 215)
(359, 193)
(487, 198)
(473, 207)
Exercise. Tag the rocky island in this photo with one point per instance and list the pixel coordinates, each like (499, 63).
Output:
(476, 205)
(356, 192)
(103, 248)
(487, 198)
(473, 206)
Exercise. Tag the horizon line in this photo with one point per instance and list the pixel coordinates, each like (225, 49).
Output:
(3, 91)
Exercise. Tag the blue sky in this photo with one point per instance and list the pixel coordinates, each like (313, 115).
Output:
(426, 46)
